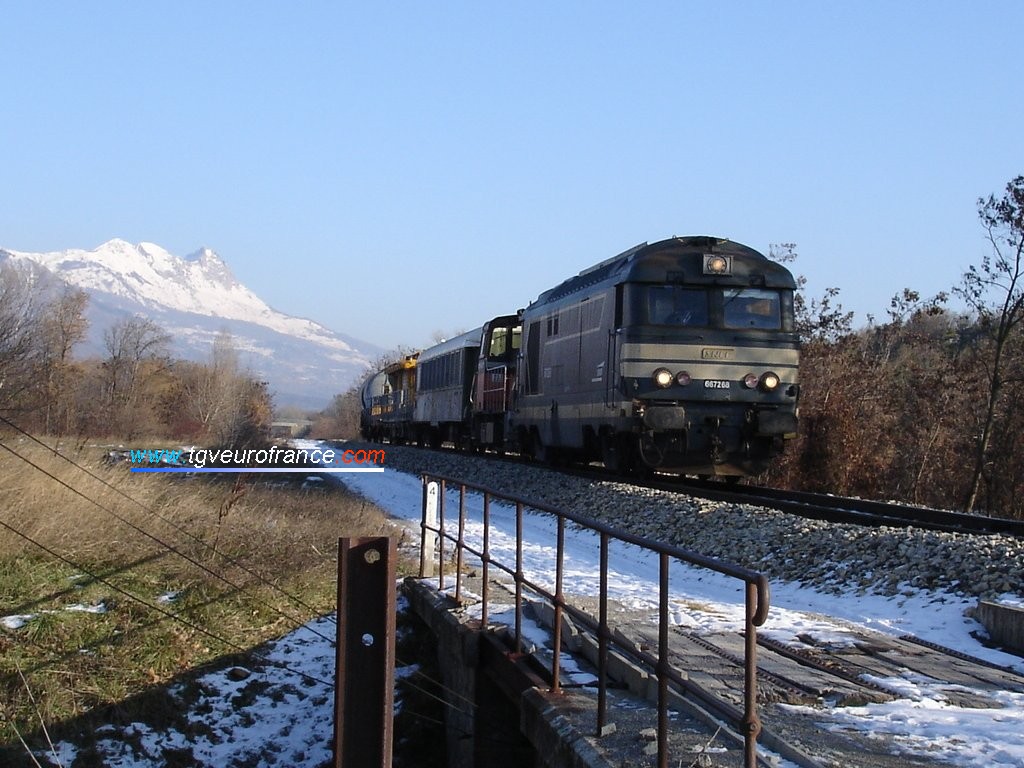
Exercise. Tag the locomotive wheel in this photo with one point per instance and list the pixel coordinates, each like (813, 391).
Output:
(550, 455)
(538, 450)
(616, 454)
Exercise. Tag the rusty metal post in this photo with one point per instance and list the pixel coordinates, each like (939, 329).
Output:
(602, 641)
(460, 544)
(556, 662)
(365, 659)
(751, 722)
(440, 536)
(486, 558)
(663, 664)
(519, 577)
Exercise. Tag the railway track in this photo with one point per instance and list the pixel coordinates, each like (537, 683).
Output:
(820, 506)
(847, 510)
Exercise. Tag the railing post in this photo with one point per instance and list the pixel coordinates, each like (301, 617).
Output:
(486, 558)
(602, 641)
(460, 544)
(559, 602)
(440, 536)
(663, 661)
(519, 577)
(365, 655)
(428, 528)
(751, 722)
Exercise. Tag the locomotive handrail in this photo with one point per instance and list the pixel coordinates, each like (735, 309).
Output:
(756, 601)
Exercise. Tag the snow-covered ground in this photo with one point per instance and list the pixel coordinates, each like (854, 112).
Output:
(292, 714)
(920, 722)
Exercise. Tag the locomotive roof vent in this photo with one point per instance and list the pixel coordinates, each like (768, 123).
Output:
(717, 264)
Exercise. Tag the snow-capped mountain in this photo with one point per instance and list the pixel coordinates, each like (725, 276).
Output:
(196, 297)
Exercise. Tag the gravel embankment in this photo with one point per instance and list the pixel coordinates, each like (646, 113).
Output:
(832, 557)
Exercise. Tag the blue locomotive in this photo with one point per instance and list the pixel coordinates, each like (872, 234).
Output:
(679, 356)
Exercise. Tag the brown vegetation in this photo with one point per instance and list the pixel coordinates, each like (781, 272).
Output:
(924, 407)
(237, 563)
(135, 390)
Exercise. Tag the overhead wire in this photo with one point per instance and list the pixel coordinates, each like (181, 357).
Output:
(227, 643)
(168, 614)
(299, 623)
(181, 529)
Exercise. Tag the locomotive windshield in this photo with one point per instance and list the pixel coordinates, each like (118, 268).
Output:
(675, 305)
(687, 306)
(753, 308)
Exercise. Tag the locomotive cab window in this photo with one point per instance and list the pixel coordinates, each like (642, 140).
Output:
(752, 308)
(499, 348)
(679, 306)
(673, 305)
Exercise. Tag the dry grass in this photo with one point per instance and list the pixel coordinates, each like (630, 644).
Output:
(244, 562)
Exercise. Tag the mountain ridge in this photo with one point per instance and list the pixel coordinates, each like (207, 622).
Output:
(197, 296)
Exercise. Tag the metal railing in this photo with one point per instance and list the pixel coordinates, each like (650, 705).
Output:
(746, 722)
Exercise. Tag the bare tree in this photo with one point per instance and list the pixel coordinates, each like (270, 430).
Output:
(64, 325)
(995, 291)
(41, 320)
(21, 313)
(136, 350)
(210, 389)
(220, 395)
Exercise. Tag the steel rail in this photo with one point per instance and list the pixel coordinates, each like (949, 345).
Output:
(845, 509)
(819, 506)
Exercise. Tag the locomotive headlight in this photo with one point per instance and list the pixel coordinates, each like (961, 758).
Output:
(750, 381)
(662, 377)
(769, 381)
(683, 378)
(715, 264)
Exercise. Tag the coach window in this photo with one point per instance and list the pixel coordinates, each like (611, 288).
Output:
(753, 308)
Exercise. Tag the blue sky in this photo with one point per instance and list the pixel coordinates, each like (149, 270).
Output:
(397, 169)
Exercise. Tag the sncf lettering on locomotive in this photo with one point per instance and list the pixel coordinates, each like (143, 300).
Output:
(717, 353)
